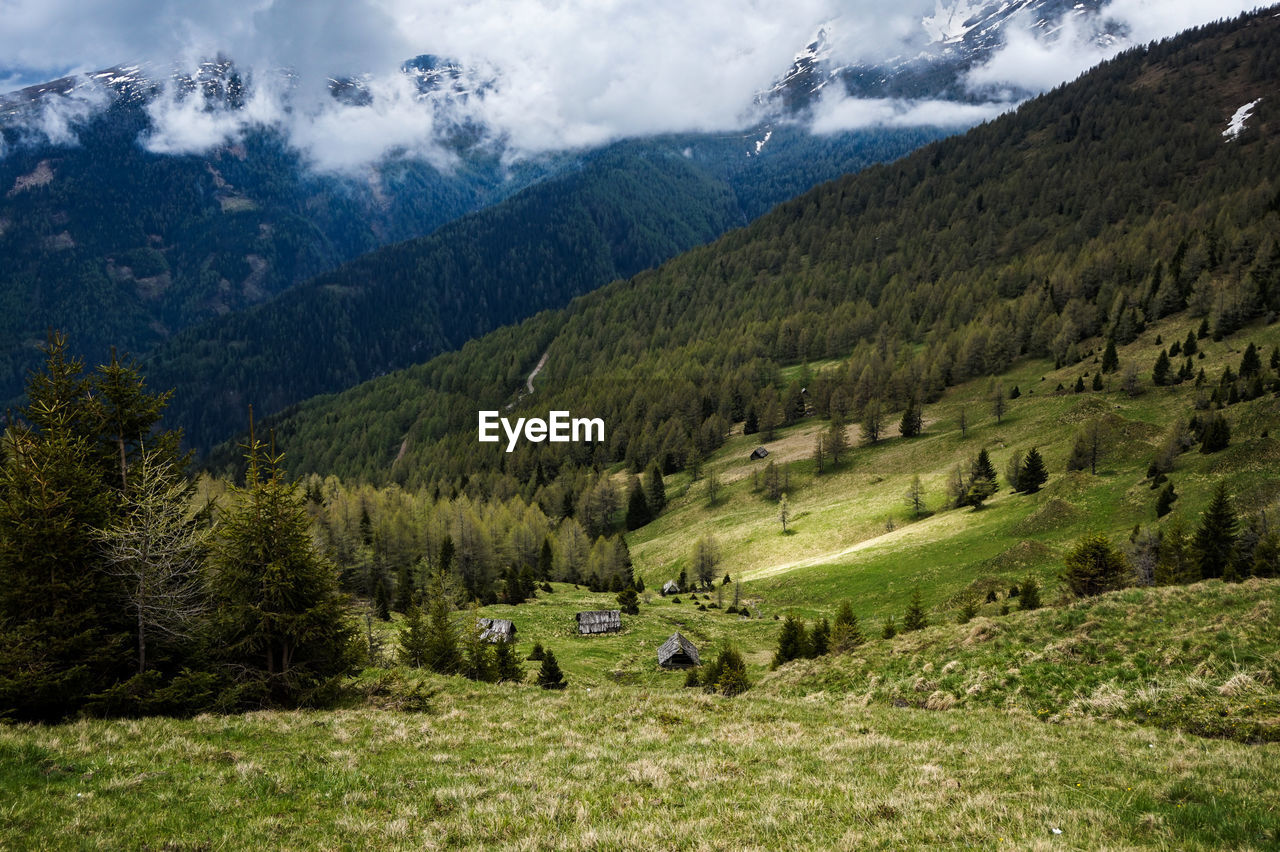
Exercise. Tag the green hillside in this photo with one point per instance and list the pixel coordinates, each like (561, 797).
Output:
(1096, 209)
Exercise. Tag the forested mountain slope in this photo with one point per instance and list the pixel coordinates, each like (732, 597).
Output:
(1104, 204)
(609, 215)
(120, 246)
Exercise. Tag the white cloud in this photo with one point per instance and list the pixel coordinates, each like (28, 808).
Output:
(546, 74)
(1037, 61)
(838, 113)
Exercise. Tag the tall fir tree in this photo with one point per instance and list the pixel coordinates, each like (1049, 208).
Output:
(656, 491)
(1033, 474)
(282, 625)
(915, 618)
(1110, 359)
(1215, 538)
(846, 634)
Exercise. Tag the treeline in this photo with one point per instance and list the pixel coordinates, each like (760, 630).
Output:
(1089, 212)
(127, 588)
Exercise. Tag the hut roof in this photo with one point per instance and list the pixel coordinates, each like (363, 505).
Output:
(600, 621)
(496, 629)
(759, 453)
(671, 587)
(678, 651)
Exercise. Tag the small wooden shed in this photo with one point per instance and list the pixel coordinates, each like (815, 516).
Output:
(759, 453)
(671, 587)
(496, 629)
(678, 653)
(599, 621)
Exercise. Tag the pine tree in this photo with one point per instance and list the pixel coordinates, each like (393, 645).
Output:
(982, 481)
(912, 420)
(820, 638)
(1097, 381)
(1189, 345)
(752, 424)
(414, 641)
(732, 673)
(836, 441)
(657, 492)
(793, 642)
(1214, 541)
(915, 618)
(872, 422)
(1110, 360)
(845, 632)
(1250, 362)
(442, 655)
(545, 560)
(1160, 373)
(890, 629)
(1215, 435)
(637, 507)
(550, 676)
(1093, 567)
(629, 601)
(1079, 388)
(506, 665)
(282, 624)
(1164, 502)
(1029, 594)
(478, 660)
(1033, 474)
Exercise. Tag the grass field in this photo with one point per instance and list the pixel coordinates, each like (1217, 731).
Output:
(623, 768)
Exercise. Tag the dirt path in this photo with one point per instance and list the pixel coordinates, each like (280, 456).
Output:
(542, 362)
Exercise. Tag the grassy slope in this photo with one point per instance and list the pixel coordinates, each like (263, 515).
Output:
(513, 767)
(838, 546)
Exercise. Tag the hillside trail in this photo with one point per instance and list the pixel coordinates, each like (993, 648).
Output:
(542, 362)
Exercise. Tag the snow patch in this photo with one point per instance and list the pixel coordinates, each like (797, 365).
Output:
(1236, 125)
(947, 23)
(761, 143)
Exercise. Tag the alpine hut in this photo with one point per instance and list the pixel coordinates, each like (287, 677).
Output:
(599, 621)
(759, 453)
(671, 587)
(678, 653)
(496, 630)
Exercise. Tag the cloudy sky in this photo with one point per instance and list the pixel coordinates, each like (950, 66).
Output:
(569, 72)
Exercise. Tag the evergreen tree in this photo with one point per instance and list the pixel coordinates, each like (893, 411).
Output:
(1079, 387)
(1110, 360)
(546, 560)
(629, 601)
(981, 483)
(872, 422)
(1215, 435)
(915, 618)
(1093, 566)
(443, 654)
(836, 442)
(550, 676)
(282, 625)
(1214, 541)
(637, 507)
(793, 642)
(537, 653)
(845, 632)
(1164, 502)
(1033, 474)
(820, 638)
(404, 588)
(1250, 362)
(732, 673)
(752, 424)
(414, 639)
(1189, 345)
(890, 629)
(1160, 373)
(912, 420)
(478, 659)
(1029, 594)
(657, 492)
(506, 666)
(1097, 381)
